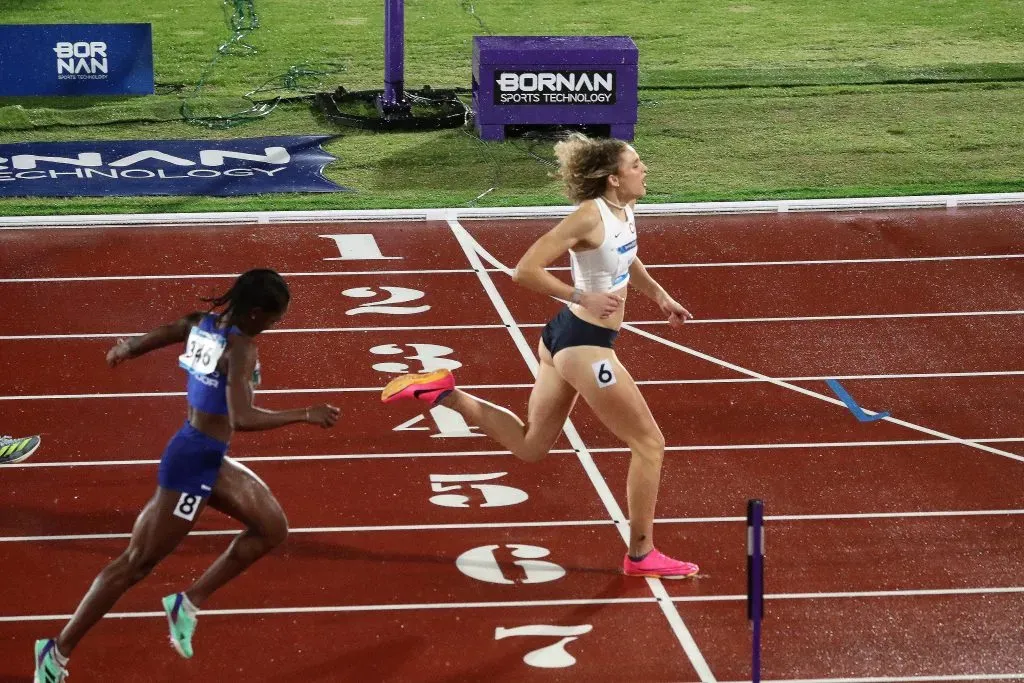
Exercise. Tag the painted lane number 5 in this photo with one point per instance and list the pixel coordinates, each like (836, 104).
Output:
(494, 495)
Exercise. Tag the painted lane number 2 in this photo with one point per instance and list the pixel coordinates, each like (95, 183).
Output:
(389, 305)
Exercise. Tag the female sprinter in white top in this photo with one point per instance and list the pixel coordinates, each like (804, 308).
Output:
(604, 177)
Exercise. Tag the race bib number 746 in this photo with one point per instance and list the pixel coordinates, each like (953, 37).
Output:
(202, 351)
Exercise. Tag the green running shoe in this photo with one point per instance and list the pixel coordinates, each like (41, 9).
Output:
(15, 450)
(182, 625)
(47, 668)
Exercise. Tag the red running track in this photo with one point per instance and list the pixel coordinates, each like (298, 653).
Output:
(893, 551)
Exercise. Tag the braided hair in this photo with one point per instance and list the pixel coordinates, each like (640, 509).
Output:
(258, 288)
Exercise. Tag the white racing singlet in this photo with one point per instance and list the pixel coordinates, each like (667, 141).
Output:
(606, 268)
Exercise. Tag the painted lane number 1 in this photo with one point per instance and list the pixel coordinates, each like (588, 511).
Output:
(357, 248)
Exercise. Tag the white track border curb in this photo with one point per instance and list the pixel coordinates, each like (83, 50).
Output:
(464, 213)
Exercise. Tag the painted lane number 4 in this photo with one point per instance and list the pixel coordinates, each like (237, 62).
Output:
(449, 423)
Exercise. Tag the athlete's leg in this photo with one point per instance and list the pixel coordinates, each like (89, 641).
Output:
(616, 400)
(239, 493)
(157, 531)
(15, 450)
(551, 400)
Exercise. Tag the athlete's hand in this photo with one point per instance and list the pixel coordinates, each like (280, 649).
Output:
(675, 312)
(601, 304)
(119, 352)
(324, 415)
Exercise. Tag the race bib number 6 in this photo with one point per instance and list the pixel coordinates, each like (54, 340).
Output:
(603, 374)
(202, 351)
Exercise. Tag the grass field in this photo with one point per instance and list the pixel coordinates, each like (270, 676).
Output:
(748, 99)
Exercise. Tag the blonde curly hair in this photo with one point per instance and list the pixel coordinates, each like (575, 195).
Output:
(584, 164)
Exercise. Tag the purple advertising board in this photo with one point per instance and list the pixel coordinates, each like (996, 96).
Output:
(550, 80)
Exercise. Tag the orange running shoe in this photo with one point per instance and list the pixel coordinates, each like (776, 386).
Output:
(422, 386)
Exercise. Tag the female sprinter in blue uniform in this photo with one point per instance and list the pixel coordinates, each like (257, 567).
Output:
(605, 178)
(222, 364)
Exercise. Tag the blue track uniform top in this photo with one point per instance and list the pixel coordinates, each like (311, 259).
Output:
(204, 350)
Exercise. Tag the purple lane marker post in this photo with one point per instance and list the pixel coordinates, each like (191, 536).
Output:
(755, 581)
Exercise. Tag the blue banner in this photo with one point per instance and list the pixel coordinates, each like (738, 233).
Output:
(165, 167)
(75, 59)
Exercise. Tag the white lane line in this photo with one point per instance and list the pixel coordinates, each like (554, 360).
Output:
(542, 524)
(641, 323)
(896, 679)
(646, 382)
(228, 276)
(389, 607)
(682, 633)
(822, 397)
(431, 271)
(820, 318)
(786, 385)
(558, 451)
(818, 262)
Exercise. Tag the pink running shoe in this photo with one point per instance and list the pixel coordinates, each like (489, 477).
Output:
(425, 386)
(659, 566)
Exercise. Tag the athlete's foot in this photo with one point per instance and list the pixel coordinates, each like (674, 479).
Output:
(181, 623)
(14, 450)
(659, 566)
(48, 669)
(426, 386)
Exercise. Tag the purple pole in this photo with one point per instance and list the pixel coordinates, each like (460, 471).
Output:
(394, 52)
(755, 580)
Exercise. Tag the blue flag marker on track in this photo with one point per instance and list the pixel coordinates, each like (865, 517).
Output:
(845, 397)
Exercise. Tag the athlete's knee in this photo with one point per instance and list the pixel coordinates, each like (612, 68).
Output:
(134, 565)
(272, 526)
(649, 446)
(537, 444)
(277, 531)
(531, 454)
